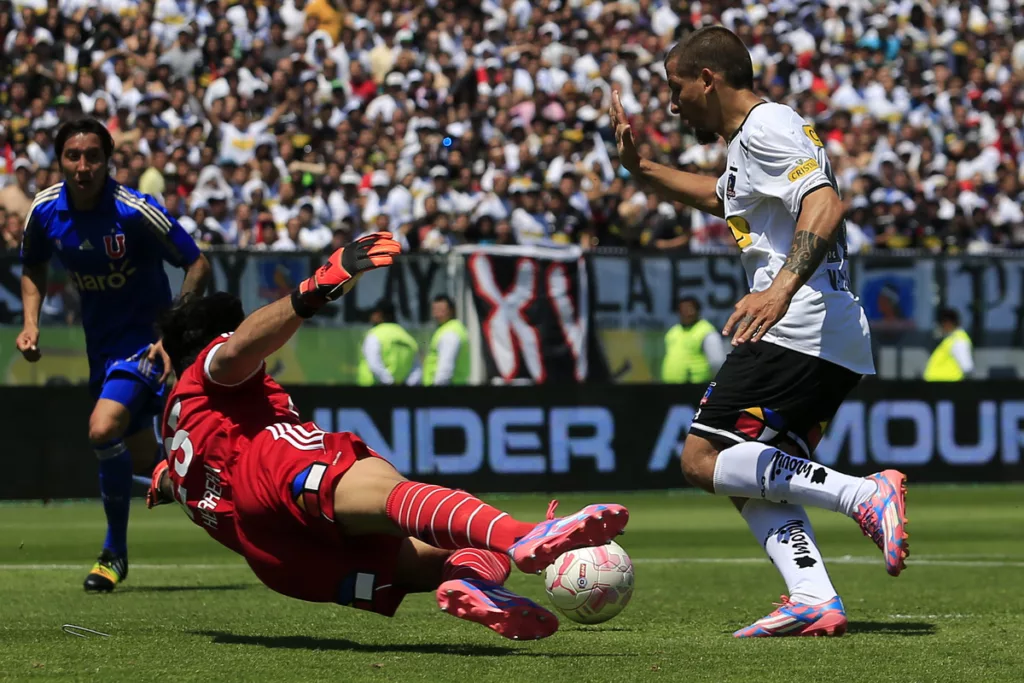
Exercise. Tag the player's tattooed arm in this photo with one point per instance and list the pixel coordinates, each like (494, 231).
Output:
(818, 227)
(806, 254)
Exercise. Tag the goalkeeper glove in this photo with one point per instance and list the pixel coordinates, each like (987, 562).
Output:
(338, 275)
(155, 495)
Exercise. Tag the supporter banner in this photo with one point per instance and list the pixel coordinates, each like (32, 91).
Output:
(900, 294)
(644, 291)
(636, 291)
(533, 307)
(631, 302)
(564, 437)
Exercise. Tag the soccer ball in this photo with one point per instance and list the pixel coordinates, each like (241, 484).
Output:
(591, 585)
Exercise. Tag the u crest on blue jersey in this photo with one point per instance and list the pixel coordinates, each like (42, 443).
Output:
(114, 245)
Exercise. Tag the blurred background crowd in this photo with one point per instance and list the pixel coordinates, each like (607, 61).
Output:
(298, 125)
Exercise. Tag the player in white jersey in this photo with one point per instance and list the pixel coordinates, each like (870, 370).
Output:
(801, 338)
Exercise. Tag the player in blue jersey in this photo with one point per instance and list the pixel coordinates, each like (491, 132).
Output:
(113, 241)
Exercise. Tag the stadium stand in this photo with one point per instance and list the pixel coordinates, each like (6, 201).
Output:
(302, 124)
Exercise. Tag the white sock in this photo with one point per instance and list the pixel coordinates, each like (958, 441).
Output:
(785, 532)
(753, 470)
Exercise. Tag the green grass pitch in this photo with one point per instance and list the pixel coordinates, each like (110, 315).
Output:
(192, 611)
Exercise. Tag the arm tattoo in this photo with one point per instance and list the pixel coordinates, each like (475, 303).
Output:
(806, 254)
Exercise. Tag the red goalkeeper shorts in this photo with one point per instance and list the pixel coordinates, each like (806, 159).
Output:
(283, 490)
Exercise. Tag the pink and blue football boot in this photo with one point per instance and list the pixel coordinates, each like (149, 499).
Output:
(884, 519)
(497, 608)
(798, 619)
(593, 525)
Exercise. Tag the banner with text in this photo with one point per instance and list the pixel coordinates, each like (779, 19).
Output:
(566, 437)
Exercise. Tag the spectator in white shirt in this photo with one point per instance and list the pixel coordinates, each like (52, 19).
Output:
(383, 107)
(288, 239)
(313, 235)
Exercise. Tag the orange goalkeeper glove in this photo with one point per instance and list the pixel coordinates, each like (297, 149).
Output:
(155, 495)
(337, 276)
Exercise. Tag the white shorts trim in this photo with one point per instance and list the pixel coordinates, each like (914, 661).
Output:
(718, 432)
(731, 436)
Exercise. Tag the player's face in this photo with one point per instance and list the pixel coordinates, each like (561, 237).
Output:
(687, 313)
(439, 312)
(84, 163)
(690, 104)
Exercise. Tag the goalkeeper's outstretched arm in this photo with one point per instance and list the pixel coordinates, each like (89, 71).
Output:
(267, 330)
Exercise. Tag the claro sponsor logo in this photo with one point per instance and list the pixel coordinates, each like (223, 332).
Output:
(461, 440)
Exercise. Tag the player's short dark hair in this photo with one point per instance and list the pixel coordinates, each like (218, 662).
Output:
(949, 315)
(194, 321)
(715, 48)
(445, 298)
(690, 300)
(386, 310)
(84, 125)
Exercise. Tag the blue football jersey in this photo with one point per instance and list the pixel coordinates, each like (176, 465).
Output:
(115, 257)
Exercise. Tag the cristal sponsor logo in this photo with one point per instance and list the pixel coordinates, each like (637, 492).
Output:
(117, 278)
(802, 170)
(793, 534)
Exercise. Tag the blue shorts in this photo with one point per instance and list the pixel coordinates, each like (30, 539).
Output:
(133, 382)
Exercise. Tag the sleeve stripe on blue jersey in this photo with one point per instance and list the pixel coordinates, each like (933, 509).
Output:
(156, 219)
(47, 195)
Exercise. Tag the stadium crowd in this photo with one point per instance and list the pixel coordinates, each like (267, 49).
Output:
(304, 123)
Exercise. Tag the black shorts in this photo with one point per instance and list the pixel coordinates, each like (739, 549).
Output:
(770, 394)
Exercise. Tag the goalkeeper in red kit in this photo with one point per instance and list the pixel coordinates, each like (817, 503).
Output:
(320, 516)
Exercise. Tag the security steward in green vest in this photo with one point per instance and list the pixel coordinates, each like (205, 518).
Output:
(953, 359)
(693, 351)
(390, 354)
(447, 359)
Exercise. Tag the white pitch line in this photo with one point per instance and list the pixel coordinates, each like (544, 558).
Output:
(932, 561)
(846, 559)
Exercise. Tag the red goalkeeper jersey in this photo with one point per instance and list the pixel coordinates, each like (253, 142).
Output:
(205, 427)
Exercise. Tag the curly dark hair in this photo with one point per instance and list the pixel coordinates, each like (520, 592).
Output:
(194, 321)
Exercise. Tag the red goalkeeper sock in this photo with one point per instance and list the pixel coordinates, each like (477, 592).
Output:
(472, 563)
(450, 519)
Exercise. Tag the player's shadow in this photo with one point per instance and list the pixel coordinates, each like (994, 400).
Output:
(343, 645)
(185, 589)
(892, 628)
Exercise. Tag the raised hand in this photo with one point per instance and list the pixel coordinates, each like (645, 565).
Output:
(624, 141)
(337, 276)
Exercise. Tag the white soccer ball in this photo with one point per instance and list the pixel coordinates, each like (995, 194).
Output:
(591, 585)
